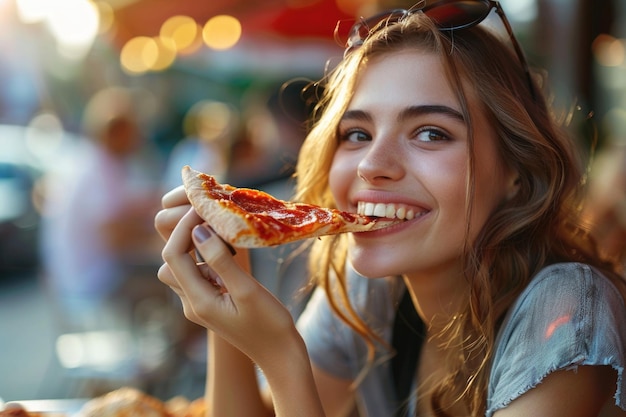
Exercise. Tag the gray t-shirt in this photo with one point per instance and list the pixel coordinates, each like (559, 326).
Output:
(569, 315)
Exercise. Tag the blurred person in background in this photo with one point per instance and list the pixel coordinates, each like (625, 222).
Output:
(274, 127)
(605, 206)
(254, 151)
(210, 127)
(94, 229)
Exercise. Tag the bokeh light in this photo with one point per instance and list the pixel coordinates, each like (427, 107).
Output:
(221, 32)
(73, 23)
(139, 54)
(182, 31)
(107, 16)
(33, 11)
(609, 51)
(44, 136)
(166, 53)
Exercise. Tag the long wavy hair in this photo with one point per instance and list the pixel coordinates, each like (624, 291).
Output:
(539, 226)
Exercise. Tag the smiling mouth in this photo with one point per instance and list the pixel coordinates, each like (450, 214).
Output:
(389, 210)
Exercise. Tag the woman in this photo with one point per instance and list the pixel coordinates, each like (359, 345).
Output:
(443, 127)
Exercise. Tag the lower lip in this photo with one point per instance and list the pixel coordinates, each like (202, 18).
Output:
(396, 228)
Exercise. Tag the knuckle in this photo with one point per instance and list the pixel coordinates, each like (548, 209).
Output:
(163, 273)
(164, 200)
(168, 254)
(160, 219)
(192, 315)
(163, 223)
(189, 313)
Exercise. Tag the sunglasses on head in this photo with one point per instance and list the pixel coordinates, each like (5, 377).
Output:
(448, 15)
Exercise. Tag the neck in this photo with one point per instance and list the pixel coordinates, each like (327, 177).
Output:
(438, 298)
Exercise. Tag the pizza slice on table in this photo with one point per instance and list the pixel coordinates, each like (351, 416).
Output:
(249, 218)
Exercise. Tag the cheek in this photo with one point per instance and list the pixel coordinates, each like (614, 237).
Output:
(491, 191)
(340, 178)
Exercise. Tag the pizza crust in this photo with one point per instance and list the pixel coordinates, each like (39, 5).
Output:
(231, 227)
(124, 402)
(251, 218)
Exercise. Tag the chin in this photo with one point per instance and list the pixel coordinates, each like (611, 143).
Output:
(373, 265)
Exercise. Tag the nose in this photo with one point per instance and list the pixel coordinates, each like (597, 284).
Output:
(382, 161)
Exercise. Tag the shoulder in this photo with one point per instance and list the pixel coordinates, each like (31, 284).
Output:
(565, 293)
(569, 315)
(569, 276)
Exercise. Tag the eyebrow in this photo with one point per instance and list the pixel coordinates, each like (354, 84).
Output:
(407, 113)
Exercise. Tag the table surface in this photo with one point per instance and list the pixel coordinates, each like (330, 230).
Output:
(57, 407)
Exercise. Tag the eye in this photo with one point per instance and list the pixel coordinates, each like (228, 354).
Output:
(430, 134)
(354, 136)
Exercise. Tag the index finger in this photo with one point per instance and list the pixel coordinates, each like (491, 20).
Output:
(175, 197)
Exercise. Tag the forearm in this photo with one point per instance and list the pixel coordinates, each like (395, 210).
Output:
(290, 378)
(232, 388)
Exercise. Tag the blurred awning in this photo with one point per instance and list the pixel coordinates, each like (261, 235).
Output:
(287, 19)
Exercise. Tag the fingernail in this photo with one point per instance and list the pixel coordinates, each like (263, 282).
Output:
(202, 233)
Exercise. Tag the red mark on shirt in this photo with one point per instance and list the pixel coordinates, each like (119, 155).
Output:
(558, 322)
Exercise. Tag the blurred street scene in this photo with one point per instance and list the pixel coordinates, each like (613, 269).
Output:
(103, 101)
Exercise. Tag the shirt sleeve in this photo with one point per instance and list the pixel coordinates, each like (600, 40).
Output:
(569, 315)
(333, 345)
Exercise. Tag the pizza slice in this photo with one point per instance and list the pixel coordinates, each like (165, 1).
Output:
(249, 218)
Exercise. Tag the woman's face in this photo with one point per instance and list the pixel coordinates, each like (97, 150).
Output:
(403, 149)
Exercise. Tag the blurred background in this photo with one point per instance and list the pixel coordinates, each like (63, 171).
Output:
(103, 101)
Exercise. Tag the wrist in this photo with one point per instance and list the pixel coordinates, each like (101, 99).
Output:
(292, 364)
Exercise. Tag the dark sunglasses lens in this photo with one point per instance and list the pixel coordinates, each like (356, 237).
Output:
(458, 14)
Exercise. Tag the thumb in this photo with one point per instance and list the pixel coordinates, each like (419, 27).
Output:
(204, 231)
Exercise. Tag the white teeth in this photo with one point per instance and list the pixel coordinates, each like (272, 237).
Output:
(390, 211)
(380, 210)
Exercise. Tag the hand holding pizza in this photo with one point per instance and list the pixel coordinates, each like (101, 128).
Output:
(219, 293)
